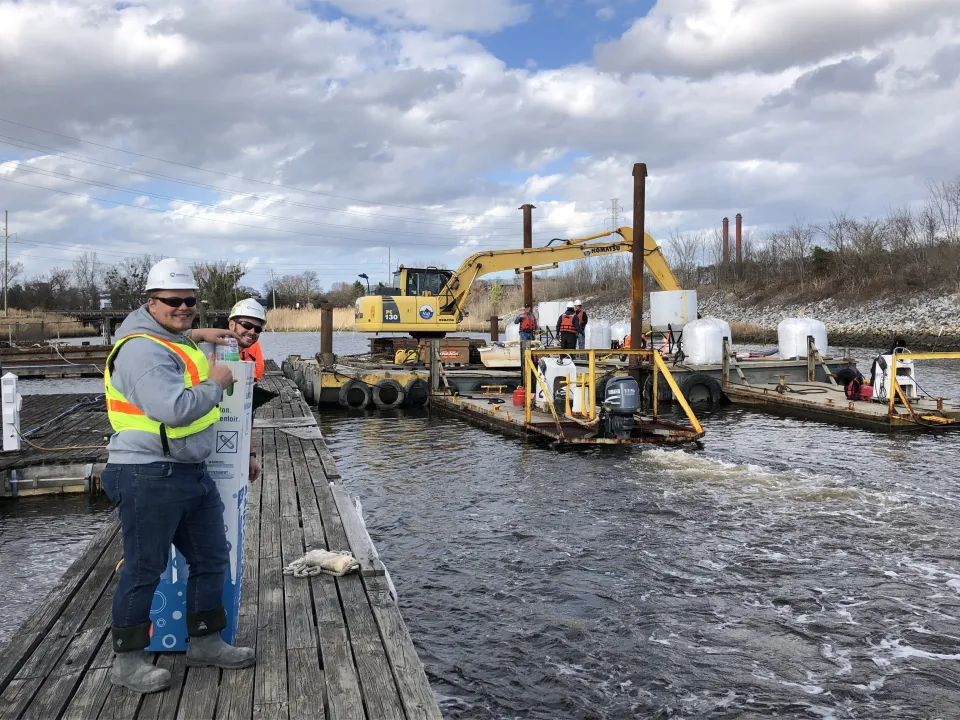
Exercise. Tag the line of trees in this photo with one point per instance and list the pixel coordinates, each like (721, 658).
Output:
(88, 281)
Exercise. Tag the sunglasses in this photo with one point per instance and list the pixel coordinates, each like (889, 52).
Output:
(249, 326)
(176, 302)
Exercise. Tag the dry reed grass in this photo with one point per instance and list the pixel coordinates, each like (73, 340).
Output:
(34, 325)
(307, 320)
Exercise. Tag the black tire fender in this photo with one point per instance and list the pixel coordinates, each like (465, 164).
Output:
(387, 393)
(355, 395)
(416, 392)
(700, 387)
(664, 393)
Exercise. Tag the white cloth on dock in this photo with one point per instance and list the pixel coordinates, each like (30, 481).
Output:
(322, 561)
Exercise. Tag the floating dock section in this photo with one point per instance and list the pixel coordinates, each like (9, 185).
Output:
(326, 647)
(827, 400)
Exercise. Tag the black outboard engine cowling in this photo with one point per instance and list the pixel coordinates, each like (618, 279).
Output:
(620, 403)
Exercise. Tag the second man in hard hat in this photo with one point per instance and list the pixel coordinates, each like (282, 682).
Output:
(247, 319)
(582, 319)
(163, 399)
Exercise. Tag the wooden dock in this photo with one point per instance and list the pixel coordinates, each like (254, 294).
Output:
(74, 446)
(326, 647)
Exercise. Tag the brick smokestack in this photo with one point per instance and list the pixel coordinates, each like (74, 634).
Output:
(726, 241)
(739, 239)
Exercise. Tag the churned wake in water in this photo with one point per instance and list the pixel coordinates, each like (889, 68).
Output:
(781, 569)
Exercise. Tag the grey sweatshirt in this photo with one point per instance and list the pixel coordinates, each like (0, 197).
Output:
(151, 377)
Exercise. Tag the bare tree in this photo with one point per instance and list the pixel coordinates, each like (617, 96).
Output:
(126, 282)
(87, 275)
(837, 231)
(945, 205)
(686, 254)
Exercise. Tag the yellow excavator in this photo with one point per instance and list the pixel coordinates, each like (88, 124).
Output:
(429, 302)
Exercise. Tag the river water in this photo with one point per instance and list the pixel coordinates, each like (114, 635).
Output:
(782, 568)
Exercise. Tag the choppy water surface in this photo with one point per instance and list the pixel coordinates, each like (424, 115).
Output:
(783, 568)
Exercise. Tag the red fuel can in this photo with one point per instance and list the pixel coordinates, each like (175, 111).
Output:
(518, 396)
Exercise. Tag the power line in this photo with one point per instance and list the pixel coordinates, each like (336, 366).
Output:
(238, 177)
(48, 150)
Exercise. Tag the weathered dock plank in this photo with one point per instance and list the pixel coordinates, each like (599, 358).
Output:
(326, 647)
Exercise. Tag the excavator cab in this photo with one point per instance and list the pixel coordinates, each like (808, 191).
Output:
(421, 282)
(413, 305)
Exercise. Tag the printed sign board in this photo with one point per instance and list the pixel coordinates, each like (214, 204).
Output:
(229, 467)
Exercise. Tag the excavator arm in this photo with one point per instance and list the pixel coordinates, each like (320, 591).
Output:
(547, 258)
(434, 316)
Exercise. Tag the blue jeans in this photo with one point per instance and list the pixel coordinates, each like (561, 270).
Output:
(580, 341)
(526, 335)
(160, 504)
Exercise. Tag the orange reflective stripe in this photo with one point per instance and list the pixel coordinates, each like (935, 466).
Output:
(121, 406)
(192, 370)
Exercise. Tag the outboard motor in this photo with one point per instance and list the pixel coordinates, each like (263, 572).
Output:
(621, 401)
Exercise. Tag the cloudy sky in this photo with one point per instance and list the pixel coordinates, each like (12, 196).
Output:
(321, 135)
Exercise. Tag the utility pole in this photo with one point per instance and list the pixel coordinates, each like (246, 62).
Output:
(636, 273)
(389, 266)
(273, 288)
(615, 213)
(6, 265)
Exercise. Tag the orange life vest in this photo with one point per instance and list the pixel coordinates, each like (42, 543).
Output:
(579, 315)
(528, 322)
(566, 323)
(643, 338)
(255, 355)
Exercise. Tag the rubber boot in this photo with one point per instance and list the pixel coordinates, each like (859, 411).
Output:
(134, 671)
(211, 650)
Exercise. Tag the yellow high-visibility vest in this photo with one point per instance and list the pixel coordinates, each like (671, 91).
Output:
(124, 415)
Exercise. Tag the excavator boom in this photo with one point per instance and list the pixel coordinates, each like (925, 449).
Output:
(430, 303)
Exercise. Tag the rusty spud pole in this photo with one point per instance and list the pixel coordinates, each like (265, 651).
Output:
(636, 275)
(326, 334)
(527, 244)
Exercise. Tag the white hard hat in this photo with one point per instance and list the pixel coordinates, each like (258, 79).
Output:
(577, 302)
(171, 274)
(248, 308)
(569, 306)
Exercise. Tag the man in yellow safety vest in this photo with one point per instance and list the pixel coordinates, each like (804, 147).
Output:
(163, 399)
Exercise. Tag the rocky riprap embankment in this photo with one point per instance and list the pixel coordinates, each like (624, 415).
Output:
(919, 318)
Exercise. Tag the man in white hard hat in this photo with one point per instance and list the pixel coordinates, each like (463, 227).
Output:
(163, 399)
(247, 319)
(568, 328)
(582, 320)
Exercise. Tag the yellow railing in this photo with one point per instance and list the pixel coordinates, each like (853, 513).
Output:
(588, 405)
(897, 390)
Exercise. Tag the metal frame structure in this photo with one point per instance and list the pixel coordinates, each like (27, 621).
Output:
(531, 376)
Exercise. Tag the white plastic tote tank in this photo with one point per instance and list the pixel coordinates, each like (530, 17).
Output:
(597, 335)
(792, 336)
(549, 312)
(703, 341)
(672, 307)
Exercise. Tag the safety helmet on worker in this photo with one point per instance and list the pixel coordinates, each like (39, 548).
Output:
(248, 308)
(171, 274)
(577, 302)
(569, 306)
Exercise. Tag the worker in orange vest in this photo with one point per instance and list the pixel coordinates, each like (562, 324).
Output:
(247, 319)
(528, 323)
(568, 327)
